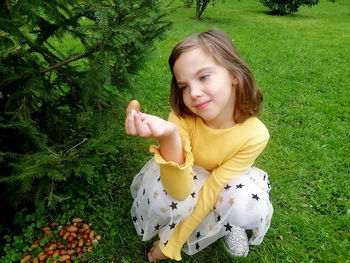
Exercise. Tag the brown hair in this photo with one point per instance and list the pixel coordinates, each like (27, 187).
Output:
(219, 46)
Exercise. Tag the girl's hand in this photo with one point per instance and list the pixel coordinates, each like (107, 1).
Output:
(155, 253)
(148, 126)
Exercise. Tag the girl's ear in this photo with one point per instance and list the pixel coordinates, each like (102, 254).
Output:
(235, 80)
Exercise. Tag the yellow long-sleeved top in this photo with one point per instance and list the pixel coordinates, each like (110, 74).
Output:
(223, 152)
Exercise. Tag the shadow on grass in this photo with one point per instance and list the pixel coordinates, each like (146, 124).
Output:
(292, 16)
(210, 20)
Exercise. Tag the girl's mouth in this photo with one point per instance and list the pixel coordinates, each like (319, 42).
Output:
(202, 105)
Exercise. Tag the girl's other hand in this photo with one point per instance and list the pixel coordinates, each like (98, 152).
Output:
(155, 253)
(148, 126)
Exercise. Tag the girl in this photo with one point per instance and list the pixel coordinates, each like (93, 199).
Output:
(200, 185)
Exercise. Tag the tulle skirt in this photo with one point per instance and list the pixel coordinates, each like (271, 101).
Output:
(244, 202)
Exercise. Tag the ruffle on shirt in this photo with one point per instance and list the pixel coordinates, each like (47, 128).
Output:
(176, 179)
(187, 154)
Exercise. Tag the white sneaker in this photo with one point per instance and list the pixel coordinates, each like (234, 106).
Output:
(236, 242)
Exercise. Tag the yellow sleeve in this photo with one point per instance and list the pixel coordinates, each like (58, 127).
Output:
(176, 179)
(209, 193)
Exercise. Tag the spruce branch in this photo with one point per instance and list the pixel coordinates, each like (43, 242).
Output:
(67, 61)
(53, 67)
(13, 50)
(51, 28)
(71, 149)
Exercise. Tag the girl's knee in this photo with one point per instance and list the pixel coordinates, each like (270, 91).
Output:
(243, 203)
(158, 204)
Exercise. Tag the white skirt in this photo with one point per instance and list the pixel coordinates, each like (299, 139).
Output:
(244, 202)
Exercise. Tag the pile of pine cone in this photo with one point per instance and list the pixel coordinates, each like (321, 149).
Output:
(65, 242)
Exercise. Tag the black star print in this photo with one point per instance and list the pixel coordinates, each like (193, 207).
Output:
(227, 187)
(228, 227)
(255, 196)
(142, 232)
(239, 186)
(198, 235)
(134, 219)
(261, 219)
(218, 218)
(264, 177)
(156, 228)
(195, 177)
(158, 179)
(268, 184)
(141, 218)
(172, 225)
(144, 191)
(197, 246)
(165, 243)
(148, 200)
(193, 194)
(173, 205)
(165, 192)
(137, 204)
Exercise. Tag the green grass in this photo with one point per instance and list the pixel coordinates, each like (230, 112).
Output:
(301, 63)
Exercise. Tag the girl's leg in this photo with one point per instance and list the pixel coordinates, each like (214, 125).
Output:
(245, 201)
(154, 211)
(150, 211)
(244, 204)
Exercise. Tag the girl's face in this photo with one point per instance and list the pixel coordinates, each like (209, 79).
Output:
(207, 88)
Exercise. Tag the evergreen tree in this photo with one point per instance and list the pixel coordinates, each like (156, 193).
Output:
(58, 101)
(284, 7)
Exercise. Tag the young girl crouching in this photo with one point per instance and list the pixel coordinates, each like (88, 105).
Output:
(201, 185)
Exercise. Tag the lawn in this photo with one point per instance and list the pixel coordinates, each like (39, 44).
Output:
(301, 63)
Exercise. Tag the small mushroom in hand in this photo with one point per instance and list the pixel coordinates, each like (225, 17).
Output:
(133, 105)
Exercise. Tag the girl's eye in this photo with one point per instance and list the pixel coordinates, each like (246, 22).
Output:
(183, 87)
(204, 77)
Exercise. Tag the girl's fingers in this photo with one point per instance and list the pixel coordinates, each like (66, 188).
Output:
(144, 125)
(143, 115)
(155, 253)
(130, 124)
(155, 243)
(152, 129)
(141, 128)
(150, 254)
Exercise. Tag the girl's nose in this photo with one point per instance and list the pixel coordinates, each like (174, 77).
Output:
(196, 91)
